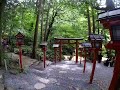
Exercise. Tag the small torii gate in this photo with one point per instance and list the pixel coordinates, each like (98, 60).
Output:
(62, 41)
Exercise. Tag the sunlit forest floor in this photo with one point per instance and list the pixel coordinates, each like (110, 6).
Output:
(65, 75)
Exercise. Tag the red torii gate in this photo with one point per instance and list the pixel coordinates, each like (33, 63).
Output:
(61, 41)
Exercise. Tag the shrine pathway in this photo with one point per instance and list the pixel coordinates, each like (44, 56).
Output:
(65, 75)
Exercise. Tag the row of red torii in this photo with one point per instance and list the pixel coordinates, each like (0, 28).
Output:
(95, 46)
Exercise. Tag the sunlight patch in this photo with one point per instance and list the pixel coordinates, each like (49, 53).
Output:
(39, 86)
(63, 66)
(71, 78)
(50, 69)
(76, 68)
(52, 80)
(43, 80)
(62, 71)
(37, 71)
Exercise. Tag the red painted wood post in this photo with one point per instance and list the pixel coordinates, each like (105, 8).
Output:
(80, 56)
(116, 73)
(55, 54)
(20, 58)
(60, 50)
(44, 58)
(94, 65)
(76, 51)
(84, 62)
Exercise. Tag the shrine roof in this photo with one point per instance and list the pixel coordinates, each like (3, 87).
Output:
(86, 45)
(96, 37)
(109, 14)
(19, 35)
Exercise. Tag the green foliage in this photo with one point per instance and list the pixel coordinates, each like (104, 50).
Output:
(39, 52)
(16, 50)
(70, 22)
(26, 50)
(72, 29)
(50, 54)
(68, 50)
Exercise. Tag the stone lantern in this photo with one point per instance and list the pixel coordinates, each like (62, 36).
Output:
(96, 41)
(86, 46)
(43, 46)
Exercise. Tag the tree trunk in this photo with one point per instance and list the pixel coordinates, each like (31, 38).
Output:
(42, 13)
(46, 25)
(36, 31)
(89, 23)
(98, 25)
(50, 25)
(93, 20)
(2, 5)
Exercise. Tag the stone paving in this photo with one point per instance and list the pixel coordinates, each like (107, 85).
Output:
(65, 75)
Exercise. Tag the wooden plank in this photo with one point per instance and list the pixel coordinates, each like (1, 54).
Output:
(43, 44)
(69, 38)
(55, 45)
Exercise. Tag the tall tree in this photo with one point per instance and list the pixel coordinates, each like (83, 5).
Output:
(89, 20)
(2, 6)
(93, 3)
(93, 20)
(98, 27)
(47, 19)
(42, 19)
(51, 24)
(36, 29)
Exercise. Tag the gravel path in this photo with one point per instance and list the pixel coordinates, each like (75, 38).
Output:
(65, 75)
